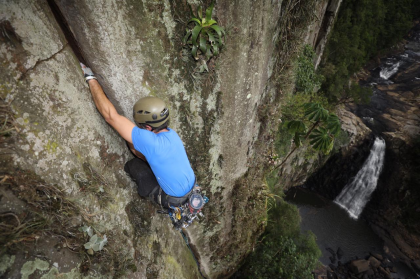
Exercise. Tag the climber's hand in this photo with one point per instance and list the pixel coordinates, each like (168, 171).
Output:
(87, 72)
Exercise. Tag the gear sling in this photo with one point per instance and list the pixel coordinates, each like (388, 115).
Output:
(181, 210)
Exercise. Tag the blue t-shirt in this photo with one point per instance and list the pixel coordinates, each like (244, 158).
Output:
(168, 159)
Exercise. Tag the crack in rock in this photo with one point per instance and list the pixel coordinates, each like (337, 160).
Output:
(24, 74)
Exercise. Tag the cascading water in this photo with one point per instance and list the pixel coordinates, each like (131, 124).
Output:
(356, 194)
(390, 70)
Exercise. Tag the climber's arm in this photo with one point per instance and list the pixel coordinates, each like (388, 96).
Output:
(106, 108)
(135, 152)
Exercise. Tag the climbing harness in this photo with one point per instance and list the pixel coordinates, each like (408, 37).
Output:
(183, 215)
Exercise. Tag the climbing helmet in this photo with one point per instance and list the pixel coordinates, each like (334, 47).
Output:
(151, 111)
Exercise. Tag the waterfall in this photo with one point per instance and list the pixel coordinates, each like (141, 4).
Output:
(356, 194)
(387, 72)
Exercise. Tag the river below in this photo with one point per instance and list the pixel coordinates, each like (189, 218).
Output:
(334, 229)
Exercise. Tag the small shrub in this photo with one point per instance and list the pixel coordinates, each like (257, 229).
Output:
(307, 80)
(95, 243)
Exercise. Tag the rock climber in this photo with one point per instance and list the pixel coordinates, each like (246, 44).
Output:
(161, 169)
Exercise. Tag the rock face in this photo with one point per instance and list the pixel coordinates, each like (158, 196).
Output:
(59, 143)
(318, 34)
(359, 266)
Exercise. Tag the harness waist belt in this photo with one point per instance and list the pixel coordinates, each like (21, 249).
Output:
(161, 197)
(178, 200)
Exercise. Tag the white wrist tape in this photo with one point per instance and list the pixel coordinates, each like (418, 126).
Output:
(87, 78)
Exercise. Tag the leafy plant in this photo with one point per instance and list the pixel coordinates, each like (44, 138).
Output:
(307, 80)
(322, 138)
(95, 243)
(325, 127)
(205, 38)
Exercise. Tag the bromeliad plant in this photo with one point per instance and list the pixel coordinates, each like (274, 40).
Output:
(205, 38)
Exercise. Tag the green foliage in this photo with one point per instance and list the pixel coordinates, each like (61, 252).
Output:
(293, 107)
(95, 243)
(298, 129)
(205, 38)
(271, 180)
(333, 124)
(363, 28)
(307, 85)
(359, 94)
(284, 252)
(307, 80)
(296, 126)
(320, 139)
(324, 127)
(315, 112)
(306, 108)
(283, 140)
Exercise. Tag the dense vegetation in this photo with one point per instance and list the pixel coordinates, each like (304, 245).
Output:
(363, 29)
(283, 252)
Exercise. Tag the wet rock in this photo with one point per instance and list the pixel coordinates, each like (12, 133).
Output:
(331, 251)
(416, 266)
(394, 269)
(377, 256)
(359, 266)
(374, 262)
(340, 253)
(384, 272)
